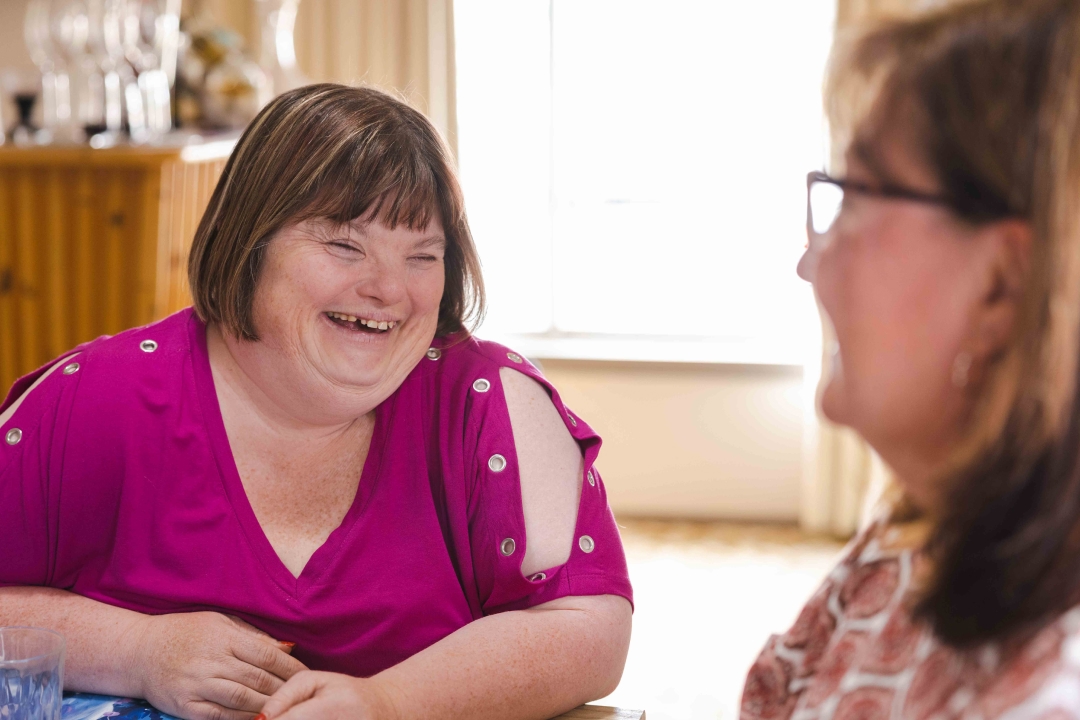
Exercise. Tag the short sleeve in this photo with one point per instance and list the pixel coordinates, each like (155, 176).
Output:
(597, 563)
(31, 456)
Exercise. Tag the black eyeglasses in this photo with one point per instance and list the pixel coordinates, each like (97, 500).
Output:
(825, 198)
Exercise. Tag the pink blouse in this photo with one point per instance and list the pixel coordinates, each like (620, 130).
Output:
(856, 653)
(117, 483)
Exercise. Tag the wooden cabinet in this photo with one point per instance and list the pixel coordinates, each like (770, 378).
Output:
(94, 241)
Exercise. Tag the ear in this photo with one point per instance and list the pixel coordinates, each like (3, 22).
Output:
(1008, 247)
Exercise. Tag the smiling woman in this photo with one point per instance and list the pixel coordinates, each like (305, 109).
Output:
(317, 467)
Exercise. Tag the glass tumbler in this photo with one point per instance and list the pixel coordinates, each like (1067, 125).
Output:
(31, 673)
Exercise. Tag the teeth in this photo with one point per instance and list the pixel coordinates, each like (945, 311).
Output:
(373, 324)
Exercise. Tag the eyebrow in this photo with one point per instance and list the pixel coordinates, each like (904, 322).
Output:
(434, 240)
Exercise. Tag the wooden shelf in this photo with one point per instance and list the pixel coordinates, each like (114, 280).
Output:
(94, 241)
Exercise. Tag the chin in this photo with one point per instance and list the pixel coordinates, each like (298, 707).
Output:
(833, 401)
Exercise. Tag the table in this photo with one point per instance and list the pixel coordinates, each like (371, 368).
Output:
(598, 712)
(94, 241)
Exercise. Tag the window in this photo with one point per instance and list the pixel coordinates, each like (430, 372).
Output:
(635, 172)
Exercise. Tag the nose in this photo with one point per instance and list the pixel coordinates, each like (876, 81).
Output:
(383, 282)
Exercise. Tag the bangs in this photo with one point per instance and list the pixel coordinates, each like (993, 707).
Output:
(385, 180)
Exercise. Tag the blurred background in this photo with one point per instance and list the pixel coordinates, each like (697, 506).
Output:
(634, 173)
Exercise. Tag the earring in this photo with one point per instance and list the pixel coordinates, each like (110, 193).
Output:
(960, 367)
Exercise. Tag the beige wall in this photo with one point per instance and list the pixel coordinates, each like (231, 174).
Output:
(12, 48)
(708, 441)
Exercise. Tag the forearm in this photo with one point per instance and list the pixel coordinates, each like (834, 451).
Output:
(99, 636)
(516, 665)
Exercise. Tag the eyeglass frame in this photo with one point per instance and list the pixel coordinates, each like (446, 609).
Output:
(886, 192)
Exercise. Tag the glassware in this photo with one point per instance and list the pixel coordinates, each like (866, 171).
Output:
(55, 83)
(31, 673)
(151, 40)
(23, 87)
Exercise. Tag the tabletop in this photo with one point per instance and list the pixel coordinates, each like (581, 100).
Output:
(598, 712)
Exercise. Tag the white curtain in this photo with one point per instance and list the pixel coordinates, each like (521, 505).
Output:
(403, 46)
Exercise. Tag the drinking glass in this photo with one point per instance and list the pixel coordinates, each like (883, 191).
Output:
(31, 673)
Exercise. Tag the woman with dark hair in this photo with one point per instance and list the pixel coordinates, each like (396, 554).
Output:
(946, 253)
(317, 467)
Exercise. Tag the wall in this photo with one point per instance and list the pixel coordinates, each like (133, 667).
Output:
(706, 441)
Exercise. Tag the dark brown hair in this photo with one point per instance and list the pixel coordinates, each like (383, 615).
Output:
(336, 152)
(988, 92)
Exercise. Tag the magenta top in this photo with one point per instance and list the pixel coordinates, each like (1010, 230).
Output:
(119, 485)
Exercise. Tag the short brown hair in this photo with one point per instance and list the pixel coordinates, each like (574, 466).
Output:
(988, 92)
(335, 152)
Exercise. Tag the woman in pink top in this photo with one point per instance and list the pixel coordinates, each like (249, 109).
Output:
(317, 467)
(946, 252)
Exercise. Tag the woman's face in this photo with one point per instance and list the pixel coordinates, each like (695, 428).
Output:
(900, 281)
(351, 306)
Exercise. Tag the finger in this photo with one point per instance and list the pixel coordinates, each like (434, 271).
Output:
(299, 689)
(270, 658)
(233, 696)
(203, 710)
(250, 676)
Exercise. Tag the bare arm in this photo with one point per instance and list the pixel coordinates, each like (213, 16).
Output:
(518, 665)
(100, 637)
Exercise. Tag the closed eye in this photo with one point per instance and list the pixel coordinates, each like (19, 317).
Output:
(424, 258)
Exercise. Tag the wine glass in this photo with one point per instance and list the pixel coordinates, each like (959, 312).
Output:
(55, 83)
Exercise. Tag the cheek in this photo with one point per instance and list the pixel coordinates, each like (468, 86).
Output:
(897, 317)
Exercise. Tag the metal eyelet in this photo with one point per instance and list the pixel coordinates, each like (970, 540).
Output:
(586, 544)
(433, 354)
(14, 435)
(507, 547)
(148, 346)
(592, 478)
(497, 463)
(538, 577)
(71, 368)
(481, 385)
(514, 357)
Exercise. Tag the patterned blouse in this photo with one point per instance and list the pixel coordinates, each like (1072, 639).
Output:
(856, 652)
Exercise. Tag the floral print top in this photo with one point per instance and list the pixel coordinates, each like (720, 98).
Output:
(856, 652)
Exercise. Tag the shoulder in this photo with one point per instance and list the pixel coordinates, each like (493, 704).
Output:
(101, 374)
(1039, 677)
(480, 365)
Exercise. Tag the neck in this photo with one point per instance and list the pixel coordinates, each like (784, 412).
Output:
(919, 473)
(283, 404)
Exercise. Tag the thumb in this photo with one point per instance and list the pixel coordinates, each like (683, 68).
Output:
(300, 687)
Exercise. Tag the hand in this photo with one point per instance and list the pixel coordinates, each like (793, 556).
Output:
(328, 696)
(209, 666)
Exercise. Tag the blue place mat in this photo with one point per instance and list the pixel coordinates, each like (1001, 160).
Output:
(85, 706)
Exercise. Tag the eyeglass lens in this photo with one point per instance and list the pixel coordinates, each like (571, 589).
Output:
(825, 201)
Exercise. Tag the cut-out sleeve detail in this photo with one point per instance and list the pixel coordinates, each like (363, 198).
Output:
(594, 562)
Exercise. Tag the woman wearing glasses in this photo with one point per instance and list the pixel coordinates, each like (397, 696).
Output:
(946, 253)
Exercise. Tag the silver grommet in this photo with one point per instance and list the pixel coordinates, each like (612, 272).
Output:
(497, 463)
(433, 354)
(592, 479)
(148, 346)
(586, 544)
(71, 368)
(514, 357)
(573, 421)
(537, 577)
(14, 435)
(481, 385)
(507, 547)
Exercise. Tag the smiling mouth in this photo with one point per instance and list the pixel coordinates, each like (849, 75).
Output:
(360, 324)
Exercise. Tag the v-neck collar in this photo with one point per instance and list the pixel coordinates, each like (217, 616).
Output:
(323, 557)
